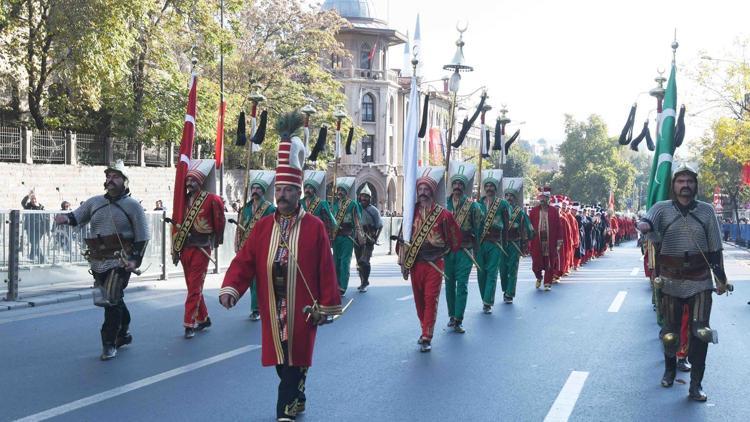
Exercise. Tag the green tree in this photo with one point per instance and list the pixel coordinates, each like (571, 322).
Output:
(723, 152)
(76, 46)
(593, 165)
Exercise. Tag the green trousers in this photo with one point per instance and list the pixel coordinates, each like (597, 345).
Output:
(343, 247)
(457, 269)
(489, 258)
(508, 269)
(254, 296)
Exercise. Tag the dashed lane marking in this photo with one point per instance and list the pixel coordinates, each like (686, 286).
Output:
(566, 400)
(635, 271)
(405, 298)
(617, 303)
(145, 382)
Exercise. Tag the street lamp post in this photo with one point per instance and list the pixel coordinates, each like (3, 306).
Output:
(456, 65)
(503, 120)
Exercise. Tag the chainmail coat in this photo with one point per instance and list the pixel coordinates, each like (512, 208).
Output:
(101, 213)
(685, 234)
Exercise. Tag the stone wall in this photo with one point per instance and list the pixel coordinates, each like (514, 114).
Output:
(77, 183)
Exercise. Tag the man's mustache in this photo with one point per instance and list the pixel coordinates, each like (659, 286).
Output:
(424, 197)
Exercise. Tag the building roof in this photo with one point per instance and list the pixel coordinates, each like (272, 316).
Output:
(362, 9)
(361, 15)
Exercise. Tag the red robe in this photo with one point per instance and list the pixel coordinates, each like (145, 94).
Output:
(554, 233)
(209, 221)
(426, 281)
(254, 261)
(575, 237)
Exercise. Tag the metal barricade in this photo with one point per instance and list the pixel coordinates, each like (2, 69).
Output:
(51, 251)
(90, 149)
(48, 146)
(10, 144)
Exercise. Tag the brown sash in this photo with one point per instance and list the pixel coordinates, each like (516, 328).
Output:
(489, 219)
(314, 206)
(256, 216)
(462, 213)
(340, 215)
(182, 234)
(424, 230)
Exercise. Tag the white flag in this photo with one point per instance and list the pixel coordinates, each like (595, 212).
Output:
(411, 130)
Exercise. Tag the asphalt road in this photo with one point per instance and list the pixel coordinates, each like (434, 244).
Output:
(568, 354)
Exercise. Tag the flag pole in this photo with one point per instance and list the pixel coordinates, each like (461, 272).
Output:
(221, 100)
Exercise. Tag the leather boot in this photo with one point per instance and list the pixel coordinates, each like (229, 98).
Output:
(109, 351)
(696, 389)
(670, 371)
(683, 365)
(123, 337)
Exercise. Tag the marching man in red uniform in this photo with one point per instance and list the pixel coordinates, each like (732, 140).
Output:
(546, 245)
(201, 231)
(434, 234)
(288, 255)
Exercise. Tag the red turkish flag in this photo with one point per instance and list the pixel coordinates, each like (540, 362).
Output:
(186, 153)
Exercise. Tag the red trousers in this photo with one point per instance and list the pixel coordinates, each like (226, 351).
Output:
(543, 265)
(195, 265)
(426, 284)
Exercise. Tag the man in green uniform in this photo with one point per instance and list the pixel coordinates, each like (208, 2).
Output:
(458, 264)
(348, 230)
(315, 201)
(518, 234)
(492, 248)
(259, 206)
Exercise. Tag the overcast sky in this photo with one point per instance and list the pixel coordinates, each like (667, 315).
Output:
(546, 58)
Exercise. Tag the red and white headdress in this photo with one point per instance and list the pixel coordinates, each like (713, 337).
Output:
(291, 156)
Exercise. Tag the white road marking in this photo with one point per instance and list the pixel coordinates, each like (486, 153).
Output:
(617, 303)
(405, 298)
(635, 271)
(145, 382)
(566, 400)
(86, 307)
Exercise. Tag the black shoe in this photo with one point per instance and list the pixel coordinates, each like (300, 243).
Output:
(683, 365)
(300, 407)
(507, 299)
(108, 352)
(254, 316)
(487, 309)
(696, 393)
(203, 325)
(420, 340)
(426, 347)
(459, 328)
(123, 340)
(451, 322)
(362, 288)
(670, 371)
(189, 332)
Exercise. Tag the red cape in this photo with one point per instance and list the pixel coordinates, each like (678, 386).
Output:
(313, 253)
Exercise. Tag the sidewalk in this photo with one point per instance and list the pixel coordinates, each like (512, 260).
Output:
(77, 284)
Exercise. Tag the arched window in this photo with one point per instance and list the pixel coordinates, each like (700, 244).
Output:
(365, 59)
(368, 108)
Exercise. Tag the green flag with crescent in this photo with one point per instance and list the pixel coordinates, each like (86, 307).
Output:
(661, 170)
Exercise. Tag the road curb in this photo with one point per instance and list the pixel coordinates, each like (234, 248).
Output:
(61, 297)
